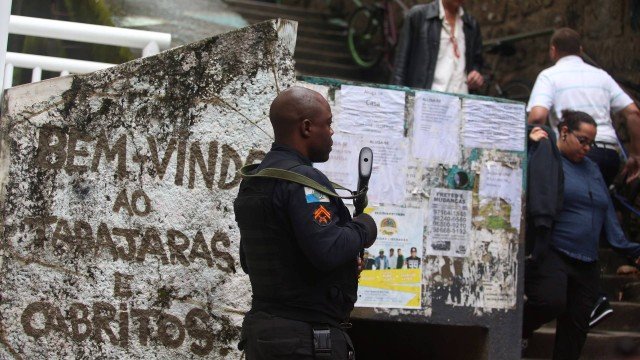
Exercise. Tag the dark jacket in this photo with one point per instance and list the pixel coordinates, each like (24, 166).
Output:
(299, 249)
(417, 50)
(545, 189)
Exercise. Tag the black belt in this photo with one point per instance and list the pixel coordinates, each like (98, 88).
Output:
(322, 342)
(607, 146)
(322, 347)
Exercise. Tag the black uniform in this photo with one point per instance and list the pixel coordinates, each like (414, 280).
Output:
(299, 249)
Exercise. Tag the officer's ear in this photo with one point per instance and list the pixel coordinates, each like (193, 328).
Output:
(305, 128)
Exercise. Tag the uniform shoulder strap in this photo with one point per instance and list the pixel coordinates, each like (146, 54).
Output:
(248, 171)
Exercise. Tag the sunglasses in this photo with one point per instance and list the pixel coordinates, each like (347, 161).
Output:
(583, 140)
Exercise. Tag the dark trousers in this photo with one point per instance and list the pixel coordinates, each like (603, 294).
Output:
(266, 337)
(607, 160)
(562, 288)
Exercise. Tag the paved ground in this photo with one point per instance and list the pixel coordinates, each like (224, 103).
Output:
(186, 20)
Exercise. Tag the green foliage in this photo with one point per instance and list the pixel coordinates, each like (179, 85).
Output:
(84, 11)
(96, 12)
(42, 46)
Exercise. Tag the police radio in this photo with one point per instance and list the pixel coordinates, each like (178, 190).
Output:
(365, 167)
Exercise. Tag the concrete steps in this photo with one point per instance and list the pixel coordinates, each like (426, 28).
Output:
(293, 12)
(321, 48)
(600, 344)
(617, 287)
(618, 336)
(625, 318)
(338, 35)
(325, 69)
(631, 291)
(610, 261)
(317, 54)
(621, 287)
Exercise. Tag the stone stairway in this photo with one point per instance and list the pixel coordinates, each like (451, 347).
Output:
(321, 48)
(617, 337)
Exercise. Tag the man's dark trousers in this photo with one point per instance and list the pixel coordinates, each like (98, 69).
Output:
(607, 160)
(269, 337)
(560, 287)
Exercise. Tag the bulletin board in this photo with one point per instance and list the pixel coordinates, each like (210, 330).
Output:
(447, 194)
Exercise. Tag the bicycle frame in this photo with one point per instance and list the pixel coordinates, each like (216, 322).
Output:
(381, 22)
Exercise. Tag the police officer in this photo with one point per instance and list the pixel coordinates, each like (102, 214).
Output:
(298, 246)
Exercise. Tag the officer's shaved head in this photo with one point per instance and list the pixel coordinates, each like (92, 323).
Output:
(301, 118)
(292, 106)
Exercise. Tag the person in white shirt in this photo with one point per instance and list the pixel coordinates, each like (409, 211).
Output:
(571, 84)
(440, 48)
(393, 259)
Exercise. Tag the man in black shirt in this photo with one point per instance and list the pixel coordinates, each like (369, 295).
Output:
(413, 261)
(400, 261)
(299, 247)
(367, 262)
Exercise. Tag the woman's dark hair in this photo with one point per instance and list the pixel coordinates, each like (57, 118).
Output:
(572, 120)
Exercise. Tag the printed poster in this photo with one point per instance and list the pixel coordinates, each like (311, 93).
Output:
(388, 179)
(449, 222)
(493, 125)
(393, 265)
(371, 111)
(436, 128)
(502, 182)
(500, 281)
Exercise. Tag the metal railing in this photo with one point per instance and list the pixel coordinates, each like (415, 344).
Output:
(149, 41)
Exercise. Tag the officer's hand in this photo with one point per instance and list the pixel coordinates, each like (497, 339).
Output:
(370, 226)
(360, 265)
(360, 203)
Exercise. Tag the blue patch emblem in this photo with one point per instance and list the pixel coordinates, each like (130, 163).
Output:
(313, 196)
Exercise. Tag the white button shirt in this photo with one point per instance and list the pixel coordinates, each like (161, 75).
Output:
(450, 75)
(572, 84)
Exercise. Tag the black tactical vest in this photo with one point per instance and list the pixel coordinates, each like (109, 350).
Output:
(283, 281)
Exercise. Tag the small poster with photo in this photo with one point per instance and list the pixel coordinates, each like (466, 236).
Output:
(392, 267)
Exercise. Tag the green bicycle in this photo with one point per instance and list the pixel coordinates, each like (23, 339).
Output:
(373, 33)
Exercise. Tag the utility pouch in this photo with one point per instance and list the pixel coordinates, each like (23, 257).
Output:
(322, 342)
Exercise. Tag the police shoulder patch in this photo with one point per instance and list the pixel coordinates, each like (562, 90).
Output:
(322, 216)
(314, 196)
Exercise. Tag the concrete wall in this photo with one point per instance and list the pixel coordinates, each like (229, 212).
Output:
(117, 188)
(605, 26)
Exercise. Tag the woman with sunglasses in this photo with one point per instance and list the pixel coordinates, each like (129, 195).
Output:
(561, 281)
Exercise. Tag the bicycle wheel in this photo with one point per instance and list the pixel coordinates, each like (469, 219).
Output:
(366, 36)
(516, 90)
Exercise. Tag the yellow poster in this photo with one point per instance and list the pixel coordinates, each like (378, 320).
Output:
(392, 271)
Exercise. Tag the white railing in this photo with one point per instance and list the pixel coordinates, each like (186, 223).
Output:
(149, 41)
(5, 13)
